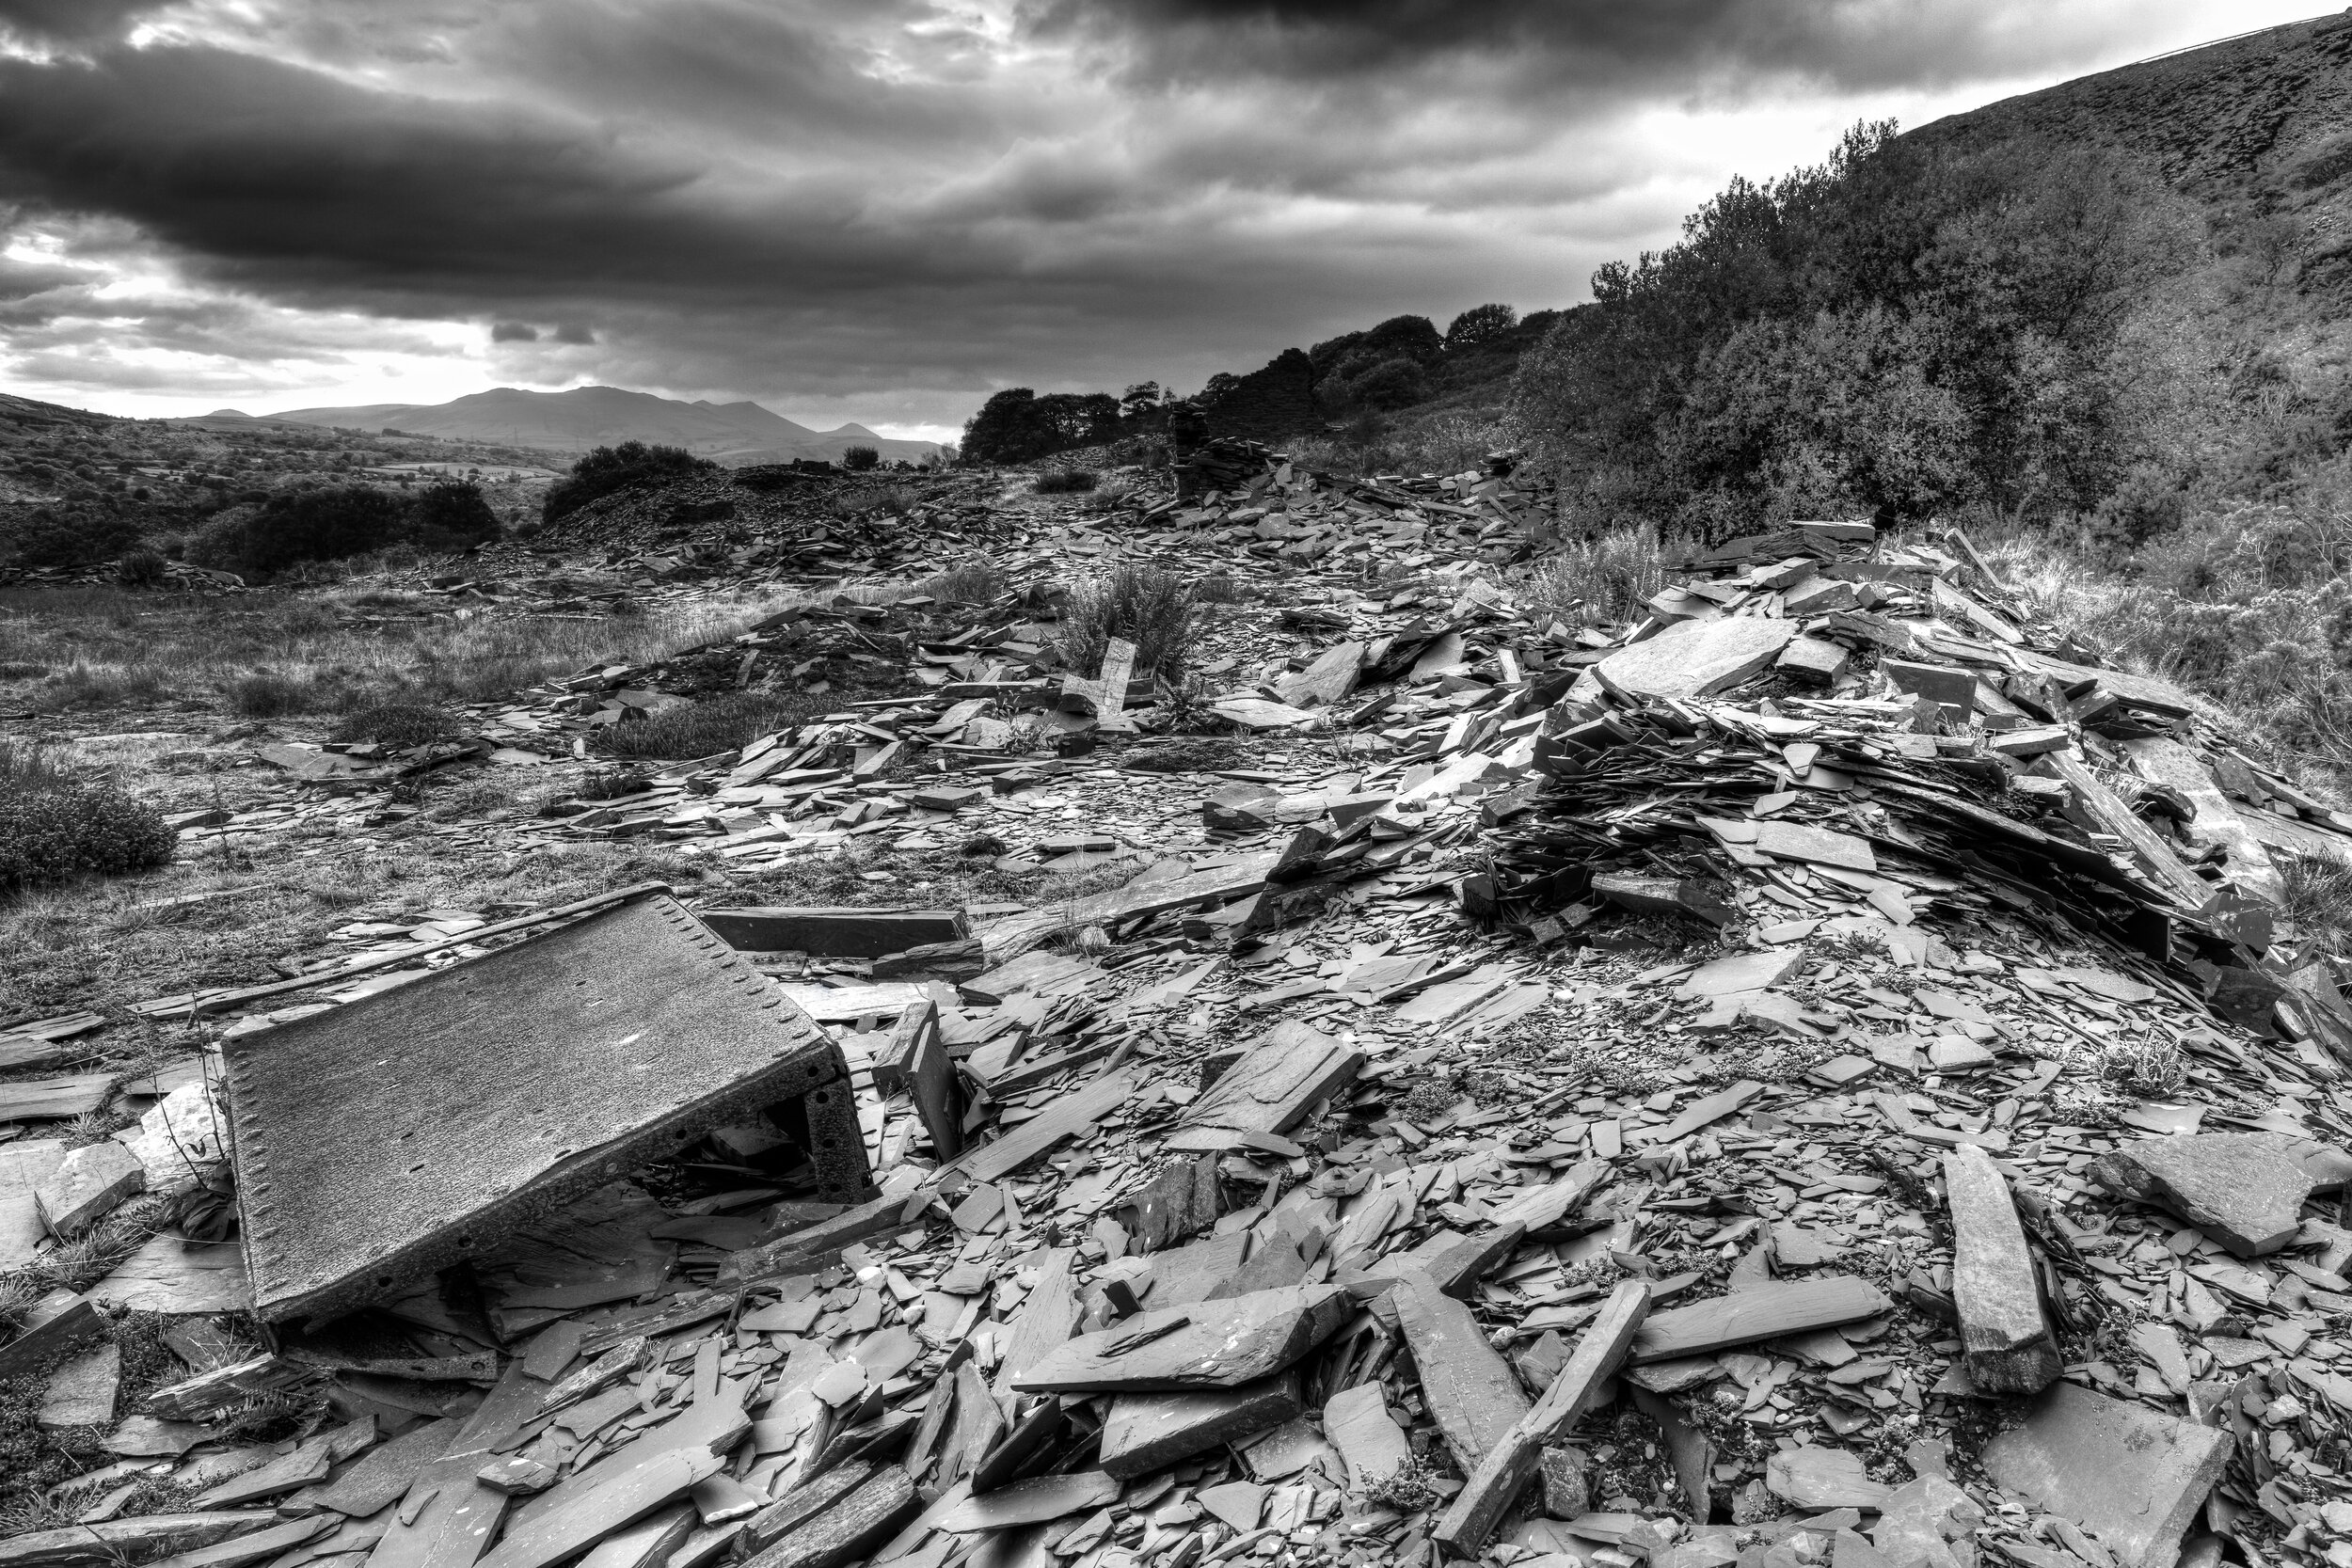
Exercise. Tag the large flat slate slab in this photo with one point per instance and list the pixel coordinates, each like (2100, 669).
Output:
(2133, 1476)
(1695, 659)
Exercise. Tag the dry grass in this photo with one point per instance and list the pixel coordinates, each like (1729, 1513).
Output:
(2319, 900)
(726, 723)
(272, 655)
(977, 582)
(1594, 581)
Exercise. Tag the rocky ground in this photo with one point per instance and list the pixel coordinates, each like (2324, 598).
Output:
(1815, 1068)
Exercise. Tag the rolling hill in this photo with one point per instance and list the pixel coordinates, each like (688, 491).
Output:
(737, 434)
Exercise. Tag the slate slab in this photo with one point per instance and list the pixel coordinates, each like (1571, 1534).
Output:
(2005, 1336)
(2246, 1190)
(1695, 659)
(2133, 1476)
(1147, 1431)
(1206, 1344)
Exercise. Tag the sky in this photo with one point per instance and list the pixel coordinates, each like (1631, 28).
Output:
(884, 209)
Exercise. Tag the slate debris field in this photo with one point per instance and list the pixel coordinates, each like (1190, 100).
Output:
(1820, 1073)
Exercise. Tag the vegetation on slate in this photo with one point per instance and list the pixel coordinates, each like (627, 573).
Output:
(610, 468)
(55, 826)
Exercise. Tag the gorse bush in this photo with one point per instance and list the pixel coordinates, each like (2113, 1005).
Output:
(1154, 610)
(55, 826)
(291, 531)
(141, 568)
(858, 459)
(610, 468)
(1065, 481)
(72, 536)
(1907, 328)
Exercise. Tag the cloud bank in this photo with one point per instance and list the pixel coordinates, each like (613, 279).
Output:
(884, 209)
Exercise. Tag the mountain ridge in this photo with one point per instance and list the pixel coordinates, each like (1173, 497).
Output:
(735, 434)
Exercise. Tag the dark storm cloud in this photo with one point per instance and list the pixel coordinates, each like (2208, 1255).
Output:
(70, 21)
(833, 197)
(1619, 46)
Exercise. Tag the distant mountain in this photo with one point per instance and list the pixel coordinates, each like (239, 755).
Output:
(734, 433)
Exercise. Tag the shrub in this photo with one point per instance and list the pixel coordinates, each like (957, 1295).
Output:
(610, 468)
(1065, 481)
(310, 524)
(397, 724)
(78, 536)
(1397, 383)
(723, 723)
(1154, 610)
(450, 516)
(265, 694)
(140, 569)
(858, 459)
(54, 827)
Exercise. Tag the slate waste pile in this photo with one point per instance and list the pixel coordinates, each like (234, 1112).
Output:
(1821, 1074)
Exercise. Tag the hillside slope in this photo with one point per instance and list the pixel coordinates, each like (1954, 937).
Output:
(734, 433)
(2257, 129)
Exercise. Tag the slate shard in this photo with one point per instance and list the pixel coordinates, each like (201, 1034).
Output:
(403, 1132)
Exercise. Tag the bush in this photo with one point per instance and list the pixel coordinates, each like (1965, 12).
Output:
(858, 459)
(610, 468)
(265, 694)
(1390, 384)
(54, 827)
(140, 569)
(310, 524)
(78, 536)
(1065, 481)
(450, 516)
(1156, 611)
(725, 723)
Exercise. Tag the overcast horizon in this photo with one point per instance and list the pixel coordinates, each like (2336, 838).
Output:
(882, 211)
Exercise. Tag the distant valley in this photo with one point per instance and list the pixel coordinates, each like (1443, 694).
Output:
(736, 435)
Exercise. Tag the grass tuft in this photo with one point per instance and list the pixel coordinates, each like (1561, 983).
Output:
(976, 581)
(396, 724)
(1156, 611)
(727, 722)
(1600, 581)
(1066, 482)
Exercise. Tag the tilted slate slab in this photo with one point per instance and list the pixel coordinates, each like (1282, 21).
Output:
(395, 1135)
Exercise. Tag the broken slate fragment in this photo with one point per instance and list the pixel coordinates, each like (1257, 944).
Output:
(1204, 1344)
(1472, 1392)
(1357, 1422)
(2132, 1476)
(1765, 1311)
(2246, 1190)
(2004, 1334)
(1144, 1433)
(87, 1186)
(1818, 1477)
